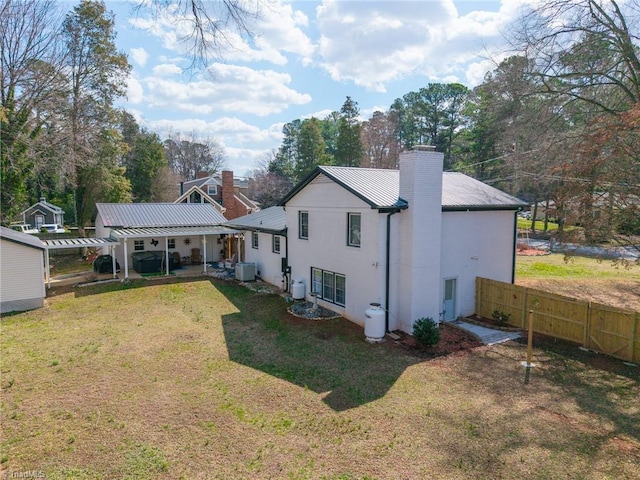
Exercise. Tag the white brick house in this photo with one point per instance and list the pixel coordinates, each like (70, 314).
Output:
(413, 240)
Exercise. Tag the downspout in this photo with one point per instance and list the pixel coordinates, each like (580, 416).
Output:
(515, 246)
(388, 271)
(286, 256)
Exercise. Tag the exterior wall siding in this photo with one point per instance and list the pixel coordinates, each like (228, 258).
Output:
(472, 247)
(268, 263)
(22, 277)
(326, 248)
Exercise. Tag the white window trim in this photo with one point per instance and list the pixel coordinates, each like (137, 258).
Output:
(273, 243)
(255, 241)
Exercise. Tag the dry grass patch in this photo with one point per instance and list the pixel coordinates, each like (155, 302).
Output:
(206, 379)
(582, 278)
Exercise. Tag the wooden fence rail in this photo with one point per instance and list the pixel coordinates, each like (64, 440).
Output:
(605, 329)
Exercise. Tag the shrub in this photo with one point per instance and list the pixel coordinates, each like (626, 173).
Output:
(426, 331)
(501, 318)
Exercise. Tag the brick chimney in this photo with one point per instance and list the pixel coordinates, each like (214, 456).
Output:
(420, 230)
(228, 200)
(203, 174)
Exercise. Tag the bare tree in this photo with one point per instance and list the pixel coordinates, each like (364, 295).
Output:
(211, 23)
(380, 141)
(30, 88)
(188, 156)
(584, 50)
(267, 187)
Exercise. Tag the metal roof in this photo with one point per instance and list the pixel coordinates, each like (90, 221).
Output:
(200, 182)
(43, 203)
(381, 189)
(22, 238)
(133, 215)
(171, 231)
(272, 219)
(79, 242)
(461, 192)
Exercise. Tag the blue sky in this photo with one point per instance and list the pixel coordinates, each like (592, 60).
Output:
(306, 58)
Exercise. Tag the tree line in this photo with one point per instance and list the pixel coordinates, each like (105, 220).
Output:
(61, 136)
(557, 123)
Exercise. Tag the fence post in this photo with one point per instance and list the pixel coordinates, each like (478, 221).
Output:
(523, 315)
(587, 326)
(478, 296)
(634, 330)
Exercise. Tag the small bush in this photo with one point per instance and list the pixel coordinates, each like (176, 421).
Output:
(426, 331)
(501, 318)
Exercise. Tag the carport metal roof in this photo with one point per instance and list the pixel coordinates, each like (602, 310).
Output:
(170, 231)
(79, 243)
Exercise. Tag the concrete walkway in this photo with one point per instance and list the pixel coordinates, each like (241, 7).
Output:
(488, 336)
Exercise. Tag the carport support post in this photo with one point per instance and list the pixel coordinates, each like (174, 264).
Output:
(47, 273)
(166, 253)
(126, 261)
(112, 252)
(204, 254)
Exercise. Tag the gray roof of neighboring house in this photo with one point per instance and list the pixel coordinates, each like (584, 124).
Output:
(272, 219)
(131, 215)
(19, 237)
(43, 203)
(381, 189)
(199, 182)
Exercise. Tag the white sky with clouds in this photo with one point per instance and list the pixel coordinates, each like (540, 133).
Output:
(306, 57)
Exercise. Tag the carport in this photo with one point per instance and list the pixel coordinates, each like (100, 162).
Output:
(166, 233)
(65, 243)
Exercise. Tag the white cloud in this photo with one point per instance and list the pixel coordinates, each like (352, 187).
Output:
(231, 89)
(135, 91)
(374, 43)
(139, 55)
(167, 69)
(278, 30)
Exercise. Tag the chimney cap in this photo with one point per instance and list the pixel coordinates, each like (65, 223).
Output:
(424, 148)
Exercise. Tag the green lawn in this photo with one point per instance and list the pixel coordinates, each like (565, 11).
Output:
(573, 268)
(206, 379)
(525, 224)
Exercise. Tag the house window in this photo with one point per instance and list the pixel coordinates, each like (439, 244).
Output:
(212, 190)
(303, 225)
(276, 244)
(330, 286)
(316, 280)
(138, 245)
(353, 233)
(171, 243)
(254, 239)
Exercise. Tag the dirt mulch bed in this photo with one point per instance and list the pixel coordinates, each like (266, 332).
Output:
(452, 340)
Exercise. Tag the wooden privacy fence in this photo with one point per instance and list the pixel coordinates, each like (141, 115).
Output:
(609, 330)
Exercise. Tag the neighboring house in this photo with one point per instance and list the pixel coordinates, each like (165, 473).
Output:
(412, 240)
(43, 213)
(192, 230)
(22, 272)
(223, 191)
(265, 243)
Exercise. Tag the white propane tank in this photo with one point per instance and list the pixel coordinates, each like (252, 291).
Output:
(374, 324)
(297, 289)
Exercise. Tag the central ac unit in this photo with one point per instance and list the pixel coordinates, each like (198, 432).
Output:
(245, 272)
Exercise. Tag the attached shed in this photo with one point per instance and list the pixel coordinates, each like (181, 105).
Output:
(22, 272)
